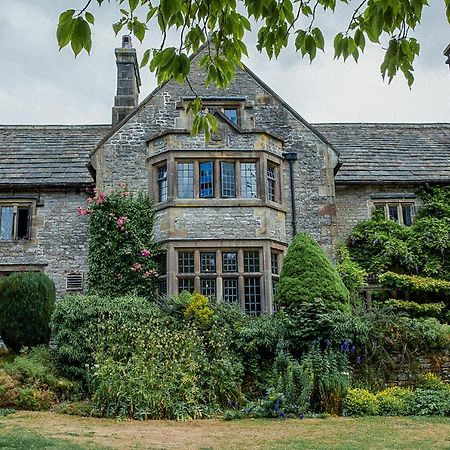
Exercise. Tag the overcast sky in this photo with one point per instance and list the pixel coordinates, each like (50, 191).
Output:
(41, 85)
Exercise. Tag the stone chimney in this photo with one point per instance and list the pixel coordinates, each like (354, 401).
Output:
(447, 54)
(128, 81)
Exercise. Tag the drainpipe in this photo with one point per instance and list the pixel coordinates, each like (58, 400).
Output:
(291, 157)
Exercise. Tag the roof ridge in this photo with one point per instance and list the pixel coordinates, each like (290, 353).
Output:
(55, 126)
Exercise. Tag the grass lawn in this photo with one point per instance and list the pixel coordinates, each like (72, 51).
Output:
(41, 430)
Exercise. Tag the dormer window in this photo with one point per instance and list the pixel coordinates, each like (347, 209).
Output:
(232, 114)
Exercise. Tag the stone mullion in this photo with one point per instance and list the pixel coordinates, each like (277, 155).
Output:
(266, 285)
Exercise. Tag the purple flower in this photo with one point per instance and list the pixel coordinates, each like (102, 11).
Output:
(301, 416)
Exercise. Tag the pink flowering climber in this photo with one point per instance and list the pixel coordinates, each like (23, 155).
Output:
(145, 252)
(82, 211)
(121, 221)
(136, 267)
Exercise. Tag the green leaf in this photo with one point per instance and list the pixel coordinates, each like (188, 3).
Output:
(139, 30)
(133, 4)
(81, 36)
(117, 27)
(145, 58)
(318, 38)
(64, 30)
(89, 17)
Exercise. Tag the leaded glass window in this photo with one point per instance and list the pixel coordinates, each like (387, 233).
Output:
(208, 262)
(162, 184)
(228, 180)
(232, 114)
(7, 223)
(248, 180)
(231, 290)
(185, 262)
(206, 179)
(185, 284)
(252, 296)
(271, 183)
(407, 214)
(393, 212)
(208, 287)
(229, 262)
(251, 261)
(185, 177)
(274, 263)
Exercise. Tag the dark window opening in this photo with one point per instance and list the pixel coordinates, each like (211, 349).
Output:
(393, 212)
(208, 287)
(23, 223)
(274, 263)
(407, 215)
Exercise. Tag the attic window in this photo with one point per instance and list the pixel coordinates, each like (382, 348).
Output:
(232, 114)
(74, 282)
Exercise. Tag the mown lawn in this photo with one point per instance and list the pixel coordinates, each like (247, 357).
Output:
(38, 430)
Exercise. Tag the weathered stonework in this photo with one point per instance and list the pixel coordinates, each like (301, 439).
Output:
(58, 243)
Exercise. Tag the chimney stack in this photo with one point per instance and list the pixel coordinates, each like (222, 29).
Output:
(447, 54)
(128, 81)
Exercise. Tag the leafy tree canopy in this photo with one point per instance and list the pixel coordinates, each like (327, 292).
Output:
(222, 25)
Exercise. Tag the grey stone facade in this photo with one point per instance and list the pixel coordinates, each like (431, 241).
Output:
(340, 173)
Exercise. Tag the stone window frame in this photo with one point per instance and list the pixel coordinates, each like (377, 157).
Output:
(262, 159)
(399, 205)
(16, 203)
(8, 269)
(199, 278)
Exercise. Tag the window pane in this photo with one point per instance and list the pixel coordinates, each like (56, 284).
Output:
(229, 262)
(232, 114)
(208, 287)
(206, 179)
(162, 184)
(185, 284)
(185, 180)
(274, 263)
(230, 290)
(208, 262)
(185, 262)
(393, 212)
(251, 261)
(407, 215)
(7, 223)
(248, 180)
(271, 183)
(23, 223)
(228, 180)
(252, 292)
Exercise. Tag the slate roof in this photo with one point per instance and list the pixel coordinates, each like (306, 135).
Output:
(390, 153)
(47, 155)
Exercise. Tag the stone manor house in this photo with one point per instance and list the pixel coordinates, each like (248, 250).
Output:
(226, 209)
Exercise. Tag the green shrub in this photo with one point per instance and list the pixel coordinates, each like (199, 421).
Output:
(36, 367)
(9, 390)
(417, 309)
(353, 276)
(360, 402)
(394, 401)
(34, 399)
(122, 255)
(26, 304)
(430, 402)
(307, 274)
(85, 325)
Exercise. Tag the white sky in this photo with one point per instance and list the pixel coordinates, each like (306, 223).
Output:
(41, 85)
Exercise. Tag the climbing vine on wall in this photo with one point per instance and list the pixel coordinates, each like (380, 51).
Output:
(380, 245)
(122, 253)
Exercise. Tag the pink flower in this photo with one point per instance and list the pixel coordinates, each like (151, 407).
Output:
(121, 221)
(149, 273)
(124, 194)
(136, 267)
(145, 252)
(99, 197)
(123, 185)
(82, 211)
(119, 276)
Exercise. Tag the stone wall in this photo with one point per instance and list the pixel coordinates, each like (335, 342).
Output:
(58, 243)
(122, 156)
(405, 373)
(354, 203)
